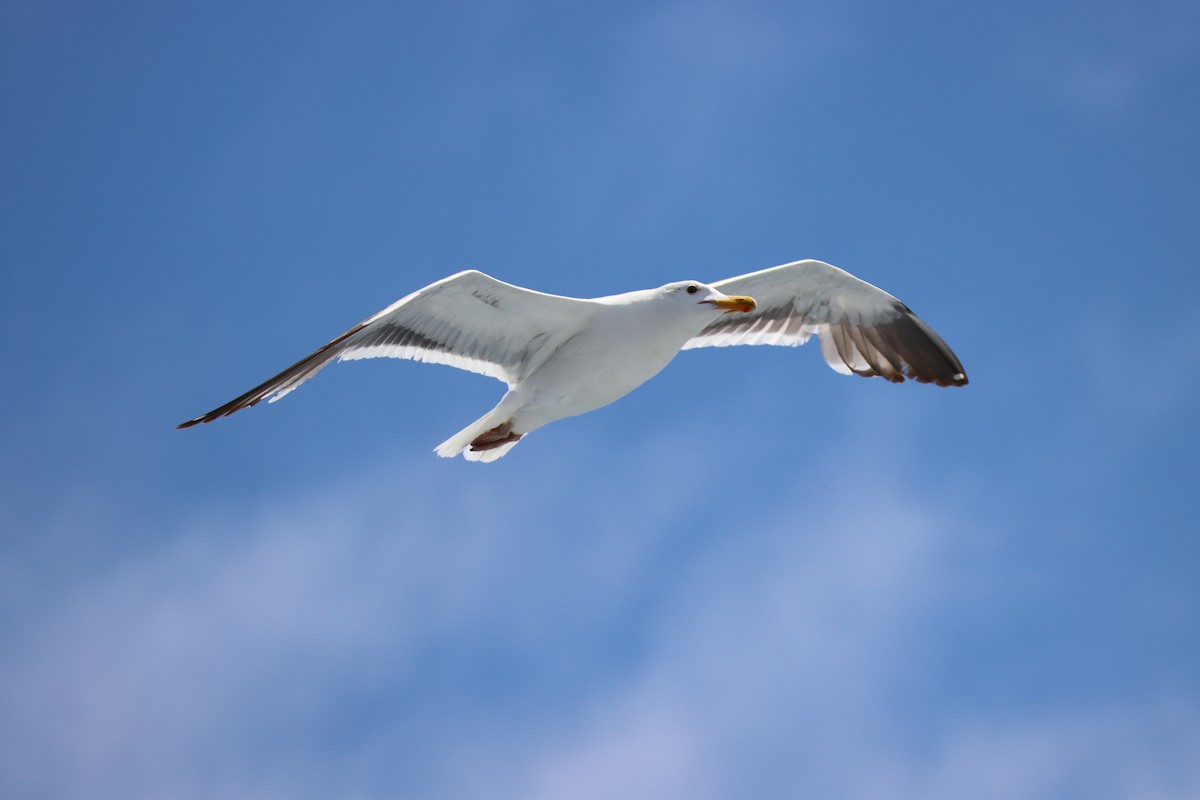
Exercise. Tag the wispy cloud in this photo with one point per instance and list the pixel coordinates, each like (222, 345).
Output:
(772, 651)
(343, 643)
(790, 679)
(198, 662)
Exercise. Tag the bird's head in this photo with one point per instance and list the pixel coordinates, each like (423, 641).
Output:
(706, 297)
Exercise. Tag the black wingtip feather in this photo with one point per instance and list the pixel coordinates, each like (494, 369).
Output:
(928, 359)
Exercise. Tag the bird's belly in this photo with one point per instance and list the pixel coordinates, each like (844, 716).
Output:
(585, 375)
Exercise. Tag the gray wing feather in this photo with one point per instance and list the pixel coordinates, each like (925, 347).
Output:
(470, 321)
(863, 329)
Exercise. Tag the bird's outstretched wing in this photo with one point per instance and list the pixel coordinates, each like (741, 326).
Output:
(863, 329)
(470, 320)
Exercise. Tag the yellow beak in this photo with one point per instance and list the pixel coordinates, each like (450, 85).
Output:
(735, 302)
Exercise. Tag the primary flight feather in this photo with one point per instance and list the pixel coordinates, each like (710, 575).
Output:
(563, 356)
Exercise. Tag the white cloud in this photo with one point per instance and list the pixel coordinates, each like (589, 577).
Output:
(445, 631)
(202, 658)
(773, 647)
(783, 683)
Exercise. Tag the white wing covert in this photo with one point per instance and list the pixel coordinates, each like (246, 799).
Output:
(469, 320)
(863, 330)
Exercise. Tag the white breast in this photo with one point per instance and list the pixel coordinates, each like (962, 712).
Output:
(624, 347)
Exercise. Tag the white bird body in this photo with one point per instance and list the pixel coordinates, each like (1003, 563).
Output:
(563, 356)
(622, 342)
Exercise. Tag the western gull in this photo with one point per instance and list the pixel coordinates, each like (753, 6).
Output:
(563, 356)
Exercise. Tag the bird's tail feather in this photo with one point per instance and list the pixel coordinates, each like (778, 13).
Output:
(461, 441)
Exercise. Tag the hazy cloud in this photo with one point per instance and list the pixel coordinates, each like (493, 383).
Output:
(213, 666)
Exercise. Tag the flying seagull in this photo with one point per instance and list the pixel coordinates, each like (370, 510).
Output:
(563, 356)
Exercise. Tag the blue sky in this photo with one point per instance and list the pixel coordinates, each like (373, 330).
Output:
(752, 577)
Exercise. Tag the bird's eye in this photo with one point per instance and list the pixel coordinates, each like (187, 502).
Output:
(693, 289)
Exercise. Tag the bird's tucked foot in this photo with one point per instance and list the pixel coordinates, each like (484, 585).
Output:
(496, 437)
